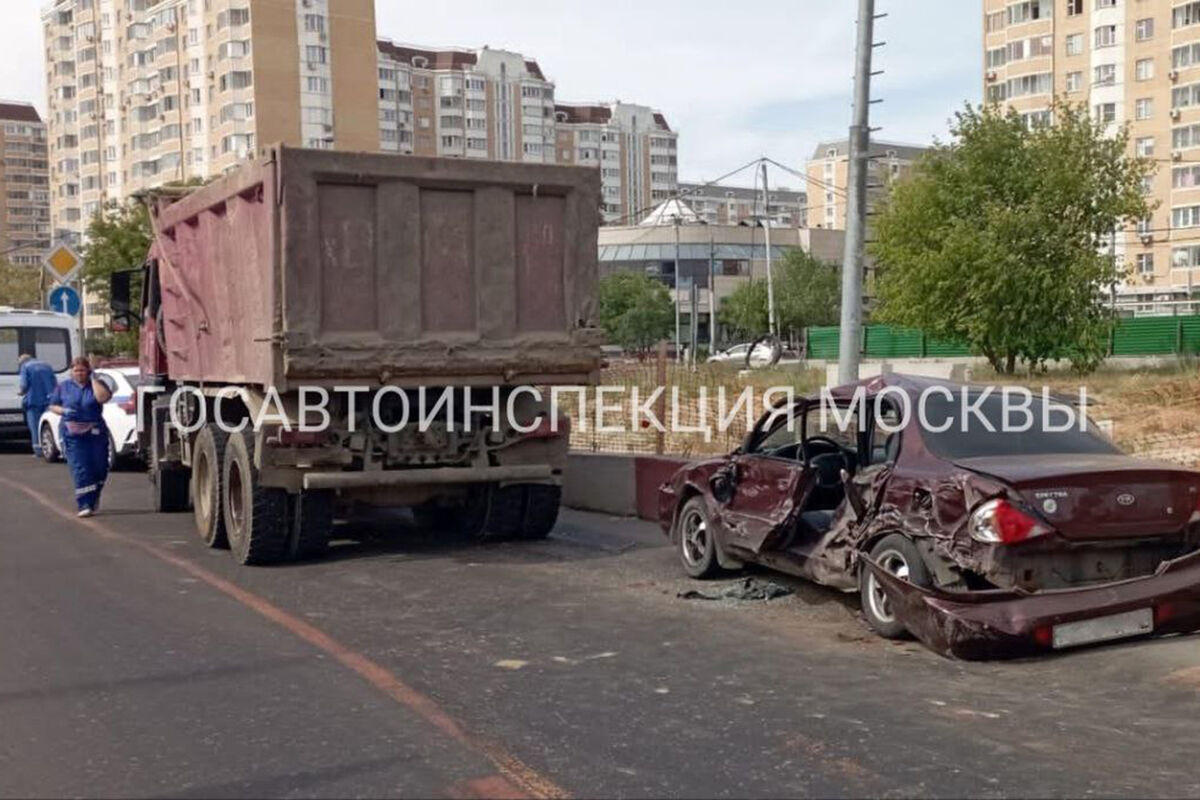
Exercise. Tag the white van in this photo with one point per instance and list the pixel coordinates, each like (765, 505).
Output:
(47, 335)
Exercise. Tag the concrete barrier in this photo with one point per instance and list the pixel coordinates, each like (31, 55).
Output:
(622, 484)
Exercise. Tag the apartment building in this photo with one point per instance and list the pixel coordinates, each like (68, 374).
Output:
(828, 172)
(483, 103)
(1130, 61)
(24, 185)
(634, 148)
(499, 105)
(142, 93)
(738, 205)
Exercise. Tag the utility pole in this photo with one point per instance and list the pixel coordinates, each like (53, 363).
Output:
(712, 292)
(856, 201)
(766, 221)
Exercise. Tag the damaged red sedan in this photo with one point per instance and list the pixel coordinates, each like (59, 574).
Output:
(981, 538)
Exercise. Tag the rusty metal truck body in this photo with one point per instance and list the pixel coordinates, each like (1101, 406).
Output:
(310, 270)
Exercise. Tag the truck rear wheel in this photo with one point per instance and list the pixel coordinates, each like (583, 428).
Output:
(255, 515)
(170, 488)
(170, 482)
(311, 524)
(466, 518)
(523, 511)
(207, 465)
(541, 510)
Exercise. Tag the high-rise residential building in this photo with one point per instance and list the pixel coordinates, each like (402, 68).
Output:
(737, 205)
(828, 173)
(1129, 61)
(634, 148)
(464, 103)
(495, 104)
(24, 185)
(143, 93)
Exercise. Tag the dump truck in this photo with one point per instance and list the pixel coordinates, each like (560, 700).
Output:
(382, 281)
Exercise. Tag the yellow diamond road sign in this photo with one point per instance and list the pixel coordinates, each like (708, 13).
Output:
(62, 263)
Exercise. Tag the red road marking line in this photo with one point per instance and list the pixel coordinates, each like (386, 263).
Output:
(516, 779)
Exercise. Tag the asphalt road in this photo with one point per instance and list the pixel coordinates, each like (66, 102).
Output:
(135, 662)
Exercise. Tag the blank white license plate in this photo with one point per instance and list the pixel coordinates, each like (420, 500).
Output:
(1104, 629)
(12, 418)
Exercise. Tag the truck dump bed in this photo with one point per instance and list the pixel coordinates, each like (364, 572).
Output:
(321, 267)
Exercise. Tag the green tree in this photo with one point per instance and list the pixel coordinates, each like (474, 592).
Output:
(998, 238)
(118, 239)
(743, 313)
(807, 292)
(19, 286)
(634, 310)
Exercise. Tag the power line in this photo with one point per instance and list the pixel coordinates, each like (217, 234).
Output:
(680, 195)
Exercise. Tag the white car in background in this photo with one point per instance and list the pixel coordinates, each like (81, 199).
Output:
(762, 356)
(120, 415)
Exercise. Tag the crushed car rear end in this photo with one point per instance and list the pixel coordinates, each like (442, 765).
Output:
(1048, 543)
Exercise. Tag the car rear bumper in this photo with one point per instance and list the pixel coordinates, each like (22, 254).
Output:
(1005, 624)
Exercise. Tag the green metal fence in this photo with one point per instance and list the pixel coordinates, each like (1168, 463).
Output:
(1142, 336)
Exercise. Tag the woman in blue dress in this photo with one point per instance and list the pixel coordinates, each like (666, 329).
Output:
(78, 401)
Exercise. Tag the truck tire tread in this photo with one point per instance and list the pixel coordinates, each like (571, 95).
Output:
(210, 445)
(311, 524)
(261, 535)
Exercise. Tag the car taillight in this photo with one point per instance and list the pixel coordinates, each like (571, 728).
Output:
(129, 405)
(1000, 522)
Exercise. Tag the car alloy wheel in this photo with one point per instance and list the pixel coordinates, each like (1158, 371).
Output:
(49, 448)
(896, 564)
(694, 538)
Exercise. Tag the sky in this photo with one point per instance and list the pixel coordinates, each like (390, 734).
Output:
(738, 80)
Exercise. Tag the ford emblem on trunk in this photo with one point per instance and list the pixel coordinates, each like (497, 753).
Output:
(1126, 499)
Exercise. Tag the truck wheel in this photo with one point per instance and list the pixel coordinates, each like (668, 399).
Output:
(311, 524)
(898, 555)
(255, 515)
(541, 510)
(506, 513)
(207, 465)
(466, 519)
(170, 488)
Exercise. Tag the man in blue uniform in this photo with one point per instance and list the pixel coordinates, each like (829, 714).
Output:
(36, 385)
(79, 400)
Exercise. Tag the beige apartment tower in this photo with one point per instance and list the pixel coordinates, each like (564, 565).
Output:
(143, 93)
(499, 105)
(1129, 61)
(828, 173)
(24, 186)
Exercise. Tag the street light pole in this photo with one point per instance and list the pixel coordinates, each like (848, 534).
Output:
(856, 201)
(678, 332)
(712, 292)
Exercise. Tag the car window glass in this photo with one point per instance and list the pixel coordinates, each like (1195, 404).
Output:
(885, 445)
(52, 345)
(8, 351)
(832, 428)
(967, 436)
(787, 431)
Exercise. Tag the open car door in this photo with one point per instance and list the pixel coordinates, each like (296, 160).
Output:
(764, 482)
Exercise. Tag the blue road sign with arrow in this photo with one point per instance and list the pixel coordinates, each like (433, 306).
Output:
(64, 299)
